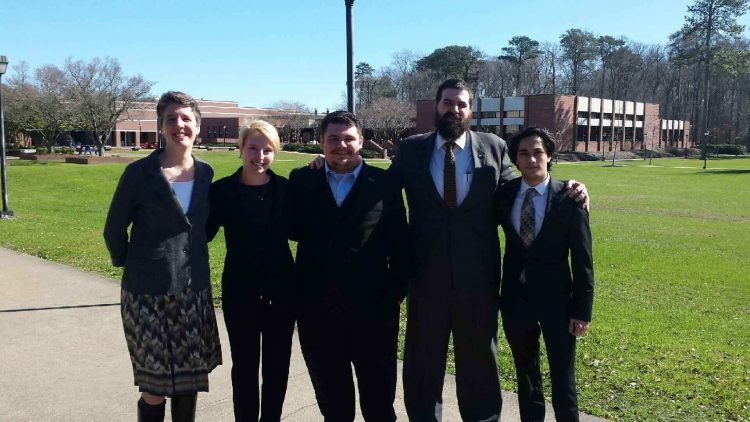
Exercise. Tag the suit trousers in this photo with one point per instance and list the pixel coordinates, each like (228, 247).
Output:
(259, 329)
(472, 319)
(333, 338)
(522, 330)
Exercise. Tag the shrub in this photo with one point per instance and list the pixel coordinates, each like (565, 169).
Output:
(728, 149)
(41, 150)
(366, 153)
(306, 148)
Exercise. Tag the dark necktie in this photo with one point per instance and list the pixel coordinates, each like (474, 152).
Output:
(449, 176)
(528, 218)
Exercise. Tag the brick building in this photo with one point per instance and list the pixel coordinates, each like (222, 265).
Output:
(220, 122)
(579, 123)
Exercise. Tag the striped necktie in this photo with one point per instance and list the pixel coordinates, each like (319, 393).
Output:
(528, 218)
(449, 176)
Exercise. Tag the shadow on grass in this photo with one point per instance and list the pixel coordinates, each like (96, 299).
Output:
(724, 171)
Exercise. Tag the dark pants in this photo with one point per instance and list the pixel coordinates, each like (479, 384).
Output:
(334, 339)
(251, 324)
(472, 319)
(522, 330)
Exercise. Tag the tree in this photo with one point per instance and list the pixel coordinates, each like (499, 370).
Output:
(606, 46)
(100, 94)
(388, 118)
(454, 61)
(710, 21)
(579, 48)
(365, 83)
(292, 117)
(38, 105)
(519, 50)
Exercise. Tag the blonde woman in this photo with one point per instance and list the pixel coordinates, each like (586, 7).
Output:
(167, 312)
(253, 207)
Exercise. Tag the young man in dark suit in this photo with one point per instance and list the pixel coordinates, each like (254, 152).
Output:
(548, 276)
(351, 269)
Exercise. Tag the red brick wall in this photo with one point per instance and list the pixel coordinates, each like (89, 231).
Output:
(565, 119)
(425, 121)
(651, 125)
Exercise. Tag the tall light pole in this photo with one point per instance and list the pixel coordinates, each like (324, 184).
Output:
(349, 57)
(5, 213)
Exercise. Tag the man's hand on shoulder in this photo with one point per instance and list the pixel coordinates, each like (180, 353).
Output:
(578, 191)
(317, 162)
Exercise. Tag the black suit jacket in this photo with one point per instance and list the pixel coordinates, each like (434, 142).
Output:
(258, 260)
(551, 281)
(359, 251)
(462, 246)
(166, 248)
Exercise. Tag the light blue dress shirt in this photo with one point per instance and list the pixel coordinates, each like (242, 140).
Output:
(341, 183)
(464, 167)
(540, 205)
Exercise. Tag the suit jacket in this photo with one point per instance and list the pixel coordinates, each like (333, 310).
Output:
(461, 247)
(551, 282)
(166, 248)
(258, 260)
(357, 252)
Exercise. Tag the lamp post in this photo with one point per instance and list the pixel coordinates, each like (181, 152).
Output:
(138, 141)
(225, 136)
(5, 213)
(349, 57)
(705, 149)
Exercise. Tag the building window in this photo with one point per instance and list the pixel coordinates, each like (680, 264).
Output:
(639, 118)
(514, 113)
(608, 116)
(489, 114)
(583, 114)
(582, 133)
(474, 115)
(595, 115)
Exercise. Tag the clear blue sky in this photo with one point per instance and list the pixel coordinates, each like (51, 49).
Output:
(259, 52)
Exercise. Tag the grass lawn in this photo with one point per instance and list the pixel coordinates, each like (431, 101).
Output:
(670, 339)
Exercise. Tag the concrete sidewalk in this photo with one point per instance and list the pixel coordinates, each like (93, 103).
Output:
(63, 355)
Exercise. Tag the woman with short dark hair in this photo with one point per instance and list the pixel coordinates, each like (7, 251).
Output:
(167, 310)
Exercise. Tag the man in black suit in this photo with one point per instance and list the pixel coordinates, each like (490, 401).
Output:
(450, 177)
(351, 268)
(543, 292)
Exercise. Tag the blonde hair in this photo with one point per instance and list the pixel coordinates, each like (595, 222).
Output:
(264, 128)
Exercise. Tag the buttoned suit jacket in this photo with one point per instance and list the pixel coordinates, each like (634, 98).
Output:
(166, 248)
(459, 247)
(555, 274)
(359, 250)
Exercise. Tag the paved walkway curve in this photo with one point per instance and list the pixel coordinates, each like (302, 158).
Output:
(63, 354)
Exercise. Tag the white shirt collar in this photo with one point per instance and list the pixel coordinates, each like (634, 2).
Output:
(340, 176)
(541, 188)
(440, 141)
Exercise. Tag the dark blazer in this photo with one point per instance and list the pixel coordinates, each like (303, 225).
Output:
(549, 281)
(462, 245)
(166, 248)
(258, 260)
(359, 249)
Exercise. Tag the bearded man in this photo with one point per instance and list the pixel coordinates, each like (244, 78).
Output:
(450, 177)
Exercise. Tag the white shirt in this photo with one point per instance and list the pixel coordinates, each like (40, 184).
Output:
(341, 183)
(464, 168)
(184, 191)
(540, 205)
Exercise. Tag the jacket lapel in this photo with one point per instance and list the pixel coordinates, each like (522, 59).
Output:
(478, 170)
(554, 190)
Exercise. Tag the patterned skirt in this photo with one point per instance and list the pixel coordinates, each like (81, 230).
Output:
(173, 340)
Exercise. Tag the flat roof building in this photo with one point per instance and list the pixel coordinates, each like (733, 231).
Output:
(579, 123)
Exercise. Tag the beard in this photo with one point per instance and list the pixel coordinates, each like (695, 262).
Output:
(450, 125)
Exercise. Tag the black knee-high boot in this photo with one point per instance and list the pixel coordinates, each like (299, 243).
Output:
(183, 407)
(150, 412)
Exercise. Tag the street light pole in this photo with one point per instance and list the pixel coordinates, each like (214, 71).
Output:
(705, 149)
(225, 136)
(349, 57)
(5, 213)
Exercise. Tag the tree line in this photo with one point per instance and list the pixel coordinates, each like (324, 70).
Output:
(91, 96)
(700, 73)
